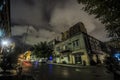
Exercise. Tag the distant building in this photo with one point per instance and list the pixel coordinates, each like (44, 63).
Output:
(76, 29)
(77, 47)
(53, 42)
(115, 45)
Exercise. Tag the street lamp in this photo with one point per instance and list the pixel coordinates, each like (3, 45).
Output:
(5, 43)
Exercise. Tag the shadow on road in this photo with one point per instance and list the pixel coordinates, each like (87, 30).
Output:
(16, 77)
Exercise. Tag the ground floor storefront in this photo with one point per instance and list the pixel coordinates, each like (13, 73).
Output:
(73, 58)
(82, 58)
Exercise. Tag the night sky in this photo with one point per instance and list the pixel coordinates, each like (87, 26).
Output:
(48, 18)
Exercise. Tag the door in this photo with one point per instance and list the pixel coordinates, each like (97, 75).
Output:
(78, 59)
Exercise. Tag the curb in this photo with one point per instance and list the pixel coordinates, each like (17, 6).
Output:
(74, 66)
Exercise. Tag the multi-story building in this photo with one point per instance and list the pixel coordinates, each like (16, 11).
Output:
(5, 29)
(76, 29)
(77, 47)
(115, 44)
(53, 42)
(96, 49)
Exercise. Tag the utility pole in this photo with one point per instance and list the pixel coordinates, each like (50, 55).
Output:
(24, 40)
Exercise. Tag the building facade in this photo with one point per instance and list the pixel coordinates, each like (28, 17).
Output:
(5, 28)
(77, 47)
(72, 51)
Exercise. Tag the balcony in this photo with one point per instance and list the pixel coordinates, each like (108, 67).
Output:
(67, 50)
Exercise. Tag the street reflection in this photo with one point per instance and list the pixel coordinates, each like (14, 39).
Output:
(50, 68)
(65, 73)
(36, 64)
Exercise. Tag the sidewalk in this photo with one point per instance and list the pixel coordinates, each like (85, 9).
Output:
(73, 65)
(0, 69)
(8, 73)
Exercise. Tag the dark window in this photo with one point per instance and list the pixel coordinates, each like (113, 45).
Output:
(58, 48)
(76, 43)
(73, 43)
(69, 43)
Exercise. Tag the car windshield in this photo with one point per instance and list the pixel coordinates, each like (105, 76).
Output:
(59, 40)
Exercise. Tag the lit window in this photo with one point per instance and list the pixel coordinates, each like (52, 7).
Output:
(1, 7)
(4, 2)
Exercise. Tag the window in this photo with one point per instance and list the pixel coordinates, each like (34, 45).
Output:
(1, 7)
(69, 43)
(58, 48)
(76, 43)
(4, 2)
(73, 43)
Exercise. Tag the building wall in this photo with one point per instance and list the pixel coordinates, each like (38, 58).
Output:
(5, 29)
(75, 29)
(5, 18)
(76, 45)
(98, 49)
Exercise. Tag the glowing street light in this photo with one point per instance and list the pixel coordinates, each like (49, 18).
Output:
(5, 43)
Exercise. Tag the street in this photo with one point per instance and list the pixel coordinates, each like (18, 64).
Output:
(57, 72)
(59, 40)
(43, 71)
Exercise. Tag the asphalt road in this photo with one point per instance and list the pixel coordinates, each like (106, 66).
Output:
(57, 72)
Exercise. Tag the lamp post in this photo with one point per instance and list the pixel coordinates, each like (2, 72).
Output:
(6, 50)
(5, 46)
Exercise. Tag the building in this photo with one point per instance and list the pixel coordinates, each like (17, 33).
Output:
(77, 47)
(96, 49)
(115, 45)
(5, 29)
(53, 42)
(76, 29)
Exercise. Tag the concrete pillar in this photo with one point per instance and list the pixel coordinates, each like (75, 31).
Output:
(70, 59)
(73, 59)
(85, 58)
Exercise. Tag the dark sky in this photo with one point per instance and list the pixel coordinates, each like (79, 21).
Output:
(48, 18)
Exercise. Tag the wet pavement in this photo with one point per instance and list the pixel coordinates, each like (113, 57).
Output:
(56, 72)
(15, 77)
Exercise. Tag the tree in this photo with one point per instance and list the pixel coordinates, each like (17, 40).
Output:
(42, 49)
(10, 58)
(107, 11)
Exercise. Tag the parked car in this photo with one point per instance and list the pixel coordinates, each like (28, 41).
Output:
(43, 60)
